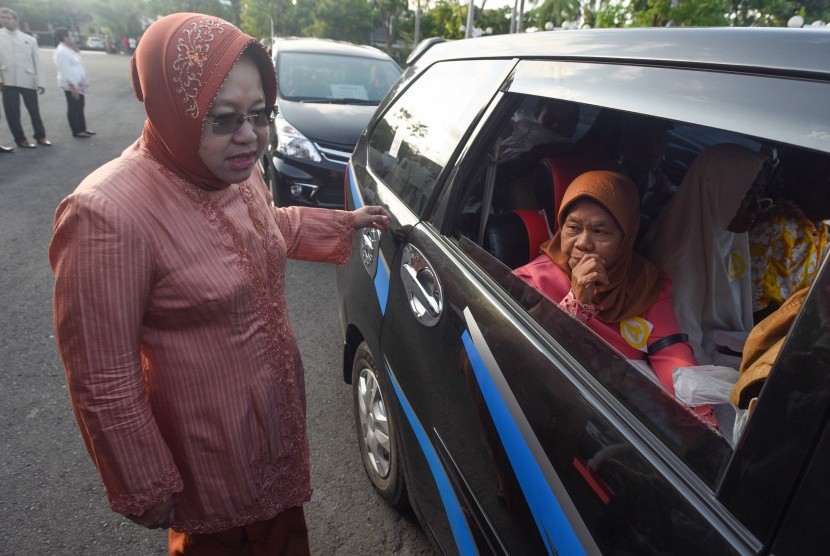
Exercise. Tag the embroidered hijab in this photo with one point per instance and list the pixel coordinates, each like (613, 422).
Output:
(708, 264)
(178, 68)
(634, 283)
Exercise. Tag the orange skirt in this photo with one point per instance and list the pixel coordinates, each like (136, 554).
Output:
(284, 535)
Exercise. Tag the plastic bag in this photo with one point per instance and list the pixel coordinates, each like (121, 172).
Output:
(741, 419)
(704, 384)
(711, 384)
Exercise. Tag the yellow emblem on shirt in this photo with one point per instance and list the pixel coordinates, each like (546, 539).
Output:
(736, 265)
(636, 331)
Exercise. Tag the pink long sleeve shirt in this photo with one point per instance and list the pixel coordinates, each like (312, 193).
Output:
(183, 371)
(632, 337)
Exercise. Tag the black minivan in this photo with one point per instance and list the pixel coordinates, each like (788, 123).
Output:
(508, 426)
(327, 91)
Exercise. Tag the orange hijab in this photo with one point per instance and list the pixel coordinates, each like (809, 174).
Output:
(634, 283)
(178, 68)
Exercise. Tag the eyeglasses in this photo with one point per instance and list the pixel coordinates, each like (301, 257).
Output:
(224, 124)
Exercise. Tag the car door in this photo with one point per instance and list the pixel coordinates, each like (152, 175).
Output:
(400, 164)
(777, 483)
(523, 431)
(524, 450)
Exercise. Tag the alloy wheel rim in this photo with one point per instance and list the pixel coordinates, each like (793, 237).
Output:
(374, 422)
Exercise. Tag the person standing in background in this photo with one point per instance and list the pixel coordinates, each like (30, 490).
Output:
(72, 79)
(20, 76)
(5, 149)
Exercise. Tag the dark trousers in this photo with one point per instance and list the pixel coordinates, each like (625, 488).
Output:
(75, 113)
(11, 104)
(284, 535)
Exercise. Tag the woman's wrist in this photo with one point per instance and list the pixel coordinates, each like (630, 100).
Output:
(577, 309)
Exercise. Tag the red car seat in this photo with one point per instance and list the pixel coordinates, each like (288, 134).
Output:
(553, 176)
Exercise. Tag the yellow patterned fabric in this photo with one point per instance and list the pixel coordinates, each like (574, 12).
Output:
(787, 249)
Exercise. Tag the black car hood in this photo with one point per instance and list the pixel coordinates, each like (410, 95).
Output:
(328, 123)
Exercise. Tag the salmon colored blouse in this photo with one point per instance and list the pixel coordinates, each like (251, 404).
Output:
(183, 371)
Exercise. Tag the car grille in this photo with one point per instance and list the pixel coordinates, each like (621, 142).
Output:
(334, 153)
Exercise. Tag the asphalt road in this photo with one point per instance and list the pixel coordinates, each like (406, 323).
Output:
(52, 500)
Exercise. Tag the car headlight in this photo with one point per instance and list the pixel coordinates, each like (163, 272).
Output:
(291, 142)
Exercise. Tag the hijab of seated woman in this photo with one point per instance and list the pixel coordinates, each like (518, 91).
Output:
(631, 298)
(709, 264)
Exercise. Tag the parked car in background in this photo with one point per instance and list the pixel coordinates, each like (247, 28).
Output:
(509, 426)
(95, 43)
(327, 91)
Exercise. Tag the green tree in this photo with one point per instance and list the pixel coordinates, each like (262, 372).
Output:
(389, 12)
(557, 12)
(257, 16)
(497, 19)
(813, 10)
(445, 20)
(117, 17)
(218, 8)
(39, 16)
(758, 13)
(612, 15)
(680, 13)
(346, 20)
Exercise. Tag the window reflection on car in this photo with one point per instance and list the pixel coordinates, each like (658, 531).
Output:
(315, 77)
(504, 411)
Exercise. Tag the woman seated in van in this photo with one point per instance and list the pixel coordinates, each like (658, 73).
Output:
(590, 269)
(709, 264)
(788, 241)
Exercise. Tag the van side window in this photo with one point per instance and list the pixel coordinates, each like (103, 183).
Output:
(520, 212)
(415, 139)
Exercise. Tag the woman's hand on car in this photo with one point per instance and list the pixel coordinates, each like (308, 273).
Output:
(371, 217)
(586, 276)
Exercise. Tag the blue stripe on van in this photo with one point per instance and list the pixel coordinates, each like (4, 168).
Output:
(381, 280)
(357, 198)
(460, 529)
(382, 283)
(555, 529)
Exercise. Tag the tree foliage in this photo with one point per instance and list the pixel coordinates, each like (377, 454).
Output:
(117, 17)
(219, 8)
(346, 20)
(288, 18)
(554, 11)
(359, 20)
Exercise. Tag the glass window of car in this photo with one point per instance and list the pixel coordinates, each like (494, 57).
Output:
(414, 140)
(333, 78)
(705, 451)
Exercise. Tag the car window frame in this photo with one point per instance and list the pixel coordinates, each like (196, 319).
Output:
(712, 497)
(782, 392)
(467, 164)
(399, 90)
(635, 93)
(672, 468)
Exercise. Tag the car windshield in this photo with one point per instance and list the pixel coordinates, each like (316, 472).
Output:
(331, 78)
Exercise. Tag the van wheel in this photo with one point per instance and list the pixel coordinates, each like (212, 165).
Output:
(377, 433)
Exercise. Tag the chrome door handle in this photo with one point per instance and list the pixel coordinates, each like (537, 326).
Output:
(369, 244)
(423, 289)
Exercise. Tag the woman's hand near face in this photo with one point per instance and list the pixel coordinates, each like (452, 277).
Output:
(371, 217)
(588, 274)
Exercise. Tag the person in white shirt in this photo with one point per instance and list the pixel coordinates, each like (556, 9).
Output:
(20, 76)
(72, 79)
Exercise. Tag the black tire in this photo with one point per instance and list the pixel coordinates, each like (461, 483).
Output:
(374, 421)
(268, 174)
